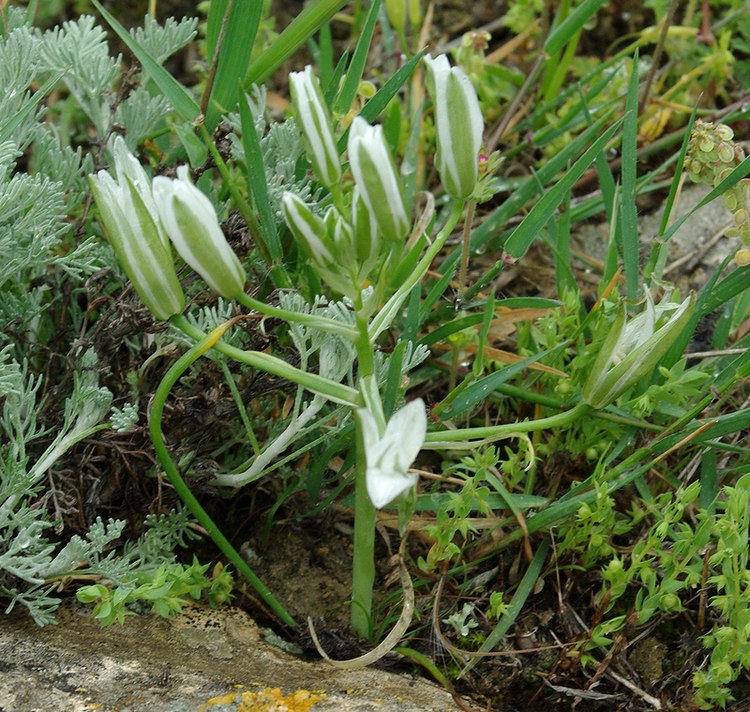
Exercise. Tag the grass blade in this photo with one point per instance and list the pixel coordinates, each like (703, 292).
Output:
(514, 608)
(234, 52)
(256, 182)
(373, 108)
(482, 388)
(628, 207)
(182, 102)
(24, 113)
(357, 65)
(572, 24)
(299, 30)
(534, 222)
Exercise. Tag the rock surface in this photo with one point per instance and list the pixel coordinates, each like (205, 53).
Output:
(206, 660)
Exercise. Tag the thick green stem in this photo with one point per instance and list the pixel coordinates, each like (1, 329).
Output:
(155, 418)
(363, 566)
(336, 392)
(450, 438)
(319, 322)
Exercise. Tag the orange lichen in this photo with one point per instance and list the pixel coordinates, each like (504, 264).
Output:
(269, 699)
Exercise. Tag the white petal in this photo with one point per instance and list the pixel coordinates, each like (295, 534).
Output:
(383, 486)
(406, 431)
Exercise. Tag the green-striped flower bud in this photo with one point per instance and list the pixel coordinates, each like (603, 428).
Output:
(127, 213)
(314, 120)
(340, 238)
(459, 125)
(190, 221)
(632, 350)
(366, 235)
(376, 177)
(308, 229)
(327, 242)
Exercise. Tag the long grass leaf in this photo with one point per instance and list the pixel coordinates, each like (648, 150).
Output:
(299, 30)
(235, 50)
(181, 101)
(481, 389)
(531, 226)
(628, 206)
(373, 108)
(357, 65)
(25, 112)
(525, 192)
(256, 181)
(516, 604)
(572, 24)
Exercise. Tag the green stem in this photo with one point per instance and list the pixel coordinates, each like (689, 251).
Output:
(280, 278)
(155, 420)
(463, 268)
(336, 392)
(319, 322)
(393, 305)
(445, 438)
(363, 565)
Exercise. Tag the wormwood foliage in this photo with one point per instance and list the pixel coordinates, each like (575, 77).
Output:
(42, 193)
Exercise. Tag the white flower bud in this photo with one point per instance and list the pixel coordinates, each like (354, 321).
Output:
(127, 213)
(633, 349)
(459, 125)
(315, 123)
(376, 177)
(190, 220)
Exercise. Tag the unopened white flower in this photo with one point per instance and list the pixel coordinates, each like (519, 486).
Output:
(315, 122)
(376, 177)
(129, 217)
(459, 125)
(390, 454)
(633, 349)
(190, 220)
(308, 229)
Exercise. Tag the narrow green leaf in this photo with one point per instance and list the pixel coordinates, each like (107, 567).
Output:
(445, 330)
(482, 388)
(240, 29)
(375, 106)
(525, 192)
(182, 102)
(216, 13)
(676, 180)
(357, 65)
(331, 88)
(561, 34)
(531, 226)
(437, 291)
(514, 608)
(439, 502)
(489, 312)
(629, 209)
(709, 478)
(741, 171)
(256, 181)
(304, 26)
